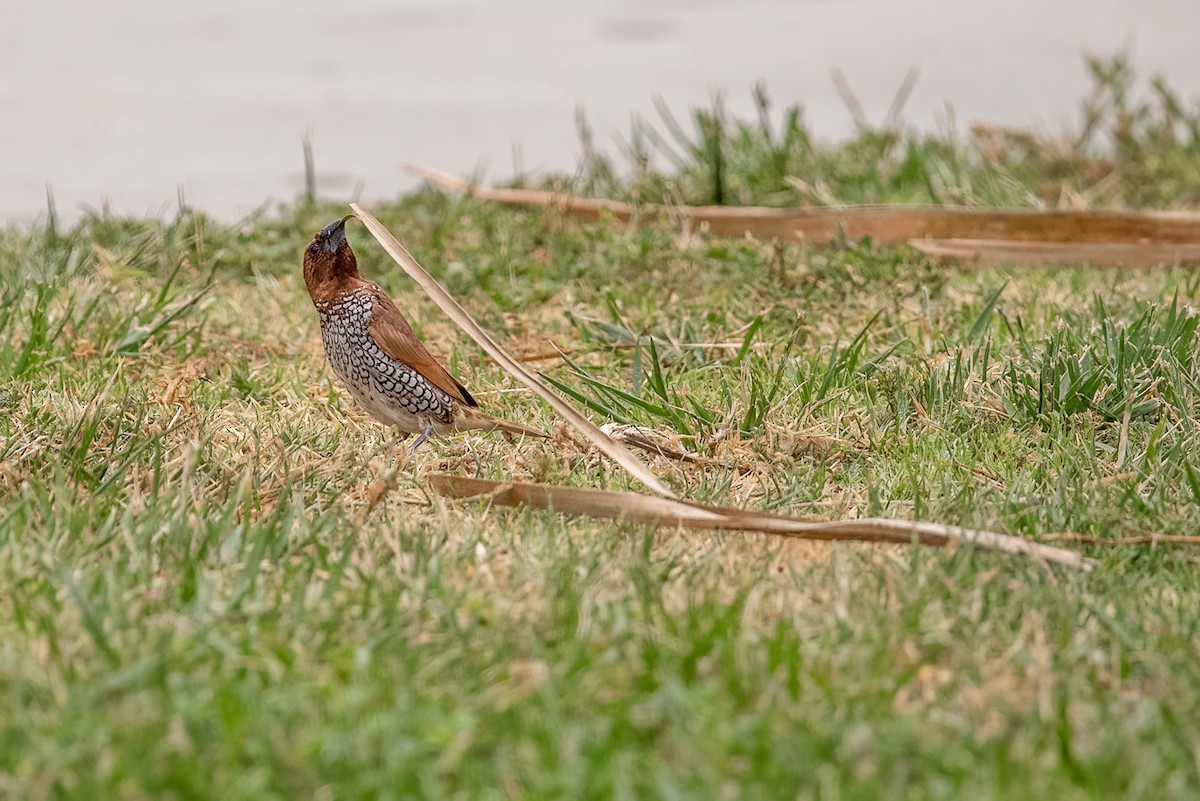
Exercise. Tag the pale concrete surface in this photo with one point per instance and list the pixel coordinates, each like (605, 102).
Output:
(131, 100)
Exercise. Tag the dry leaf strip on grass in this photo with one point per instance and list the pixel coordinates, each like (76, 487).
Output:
(981, 236)
(670, 513)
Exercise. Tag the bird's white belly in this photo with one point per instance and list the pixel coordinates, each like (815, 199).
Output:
(384, 409)
(389, 390)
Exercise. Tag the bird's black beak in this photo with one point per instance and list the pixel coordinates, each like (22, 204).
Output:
(334, 234)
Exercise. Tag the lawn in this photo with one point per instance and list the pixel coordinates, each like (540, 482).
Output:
(219, 579)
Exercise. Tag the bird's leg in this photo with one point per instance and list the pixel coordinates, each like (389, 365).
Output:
(421, 439)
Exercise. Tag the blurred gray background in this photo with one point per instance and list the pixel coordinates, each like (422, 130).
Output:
(132, 101)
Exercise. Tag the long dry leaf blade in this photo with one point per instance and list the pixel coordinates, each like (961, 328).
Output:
(1131, 238)
(664, 512)
(615, 450)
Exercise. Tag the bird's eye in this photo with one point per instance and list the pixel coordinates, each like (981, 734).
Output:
(312, 248)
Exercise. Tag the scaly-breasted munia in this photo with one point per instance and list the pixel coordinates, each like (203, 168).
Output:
(375, 353)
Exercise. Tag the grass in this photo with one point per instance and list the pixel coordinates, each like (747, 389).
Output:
(216, 581)
(1136, 144)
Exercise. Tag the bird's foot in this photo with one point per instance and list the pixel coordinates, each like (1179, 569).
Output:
(421, 439)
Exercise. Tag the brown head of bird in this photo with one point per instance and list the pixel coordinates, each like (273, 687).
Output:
(330, 268)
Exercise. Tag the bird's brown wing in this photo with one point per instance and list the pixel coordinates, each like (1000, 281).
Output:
(395, 337)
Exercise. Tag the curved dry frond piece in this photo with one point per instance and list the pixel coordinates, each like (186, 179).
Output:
(609, 505)
(613, 449)
(954, 233)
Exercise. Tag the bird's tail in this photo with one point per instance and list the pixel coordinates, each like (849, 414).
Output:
(467, 418)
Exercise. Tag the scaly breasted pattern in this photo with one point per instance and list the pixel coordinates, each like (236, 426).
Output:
(373, 349)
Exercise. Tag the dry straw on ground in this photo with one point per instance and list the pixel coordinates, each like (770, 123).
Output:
(666, 510)
(672, 513)
(968, 235)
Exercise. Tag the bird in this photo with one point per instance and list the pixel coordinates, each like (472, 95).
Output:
(374, 352)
